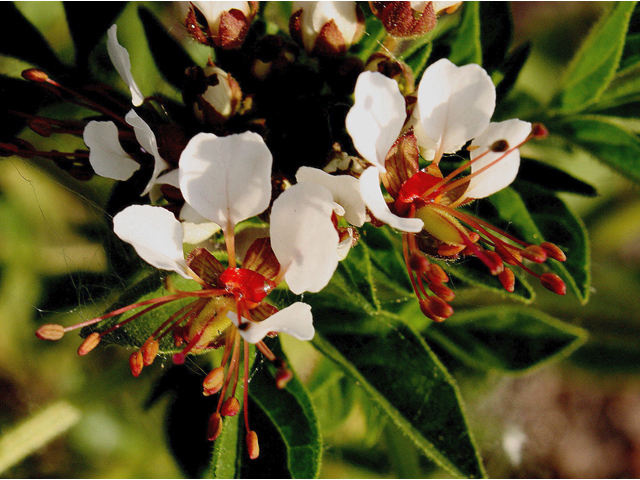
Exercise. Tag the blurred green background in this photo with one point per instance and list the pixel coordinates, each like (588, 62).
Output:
(66, 416)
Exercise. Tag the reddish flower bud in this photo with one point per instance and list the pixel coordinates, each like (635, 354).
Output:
(89, 343)
(553, 282)
(442, 291)
(326, 29)
(508, 280)
(50, 331)
(214, 428)
(535, 254)
(400, 19)
(283, 377)
(213, 382)
(220, 24)
(136, 362)
(230, 407)
(252, 445)
(149, 351)
(553, 251)
(215, 94)
(35, 75)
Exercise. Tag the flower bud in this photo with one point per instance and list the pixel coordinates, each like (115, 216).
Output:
(393, 68)
(405, 19)
(219, 24)
(326, 29)
(214, 93)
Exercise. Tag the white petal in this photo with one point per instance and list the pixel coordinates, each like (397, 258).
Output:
(504, 172)
(377, 116)
(147, 140)
(226, 179)
(374, 199)
(196, 228)
(295, 320)
(456, 103)
(106, 156)
(120, 59)
(344, 188)
(316, 14)
(345, 245)
(303, 237)
(155, 234)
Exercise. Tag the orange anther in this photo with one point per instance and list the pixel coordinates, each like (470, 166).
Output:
(149, 351)
(535, 253)
(450, 250)
(50, 331)
(497, 265)
(213, 382)
(89, 343)
(215, 426)
(435, 274)
(442, 291)
(35, 75)
(230, 407)
(136, 363)
(508, 280)
(553, 282)
(553, 251)
(252, 445)
(418, 262)
(435, 308)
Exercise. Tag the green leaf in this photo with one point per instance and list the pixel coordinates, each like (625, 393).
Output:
(596, 62)
(550, 178)
(511, 69)
(293, 417)
(496, 32)
(374, 35)
(419, 58)
(623, 89)
(20, 39)
(609, 142)
(505, 338)
(87, 34)
(539, 216)
(466, 47)
(380, 351)
(149, 286)
(171, 59)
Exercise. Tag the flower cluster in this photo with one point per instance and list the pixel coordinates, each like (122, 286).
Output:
(237, 150)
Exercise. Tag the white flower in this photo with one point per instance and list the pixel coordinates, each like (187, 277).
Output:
(455, 104)
(376, 118)
(106, 155)
(501, 174)
(295, 320)
(344, 189)
(304, 238)
(120, 59)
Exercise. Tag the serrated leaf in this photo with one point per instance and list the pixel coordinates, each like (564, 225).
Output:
(506, 338)
(496, 32)
(171, 59)
(596, 62)
(86, 34)
(392, 363)
(550, 178)
(466, 47)
(30, 46)
(539, 216)
(609, 142)
(149, 286)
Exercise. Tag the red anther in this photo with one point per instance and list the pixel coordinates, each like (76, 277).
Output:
(450, 250)
(215, 427)
(553, 282)
(535, 254)
(252, 445)
(473, 236)
(418, 262)
(539, 131)
(35, 75)
(40, 126)
(149, 351)
(89, 343)
(8, 150)
(213, 382)
(442, 291)
(508, 255)
(508, 280)
(283, 377)
(497, 265)
(230, 407)
(247, 284)
(50, 331)
(136, 363)
(435, 308)
(499, 146)
(553, 251)
(435, 274)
